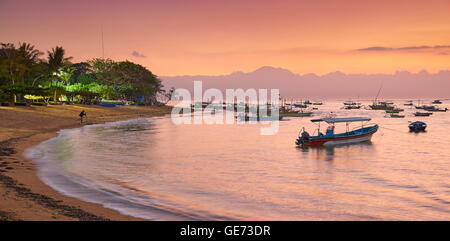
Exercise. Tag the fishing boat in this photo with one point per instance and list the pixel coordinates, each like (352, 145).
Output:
(392, 111)
(246, 117)
(300, 105)
(424, 107)
(360, 134)
(352, 107)
(422, 113)
(307, 102)
(317, 103)
(409, 103)
(381, 106)
(437, 102)
(417, 126)
(296, 113)
(394, 115)
(435, 109)
(395, 110)
(349, 102)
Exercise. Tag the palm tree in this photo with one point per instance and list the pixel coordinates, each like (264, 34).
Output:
(56, 58)
(29, 53)
(56, 62)
(30, 59)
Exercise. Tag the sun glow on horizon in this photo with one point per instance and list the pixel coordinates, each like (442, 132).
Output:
(220, 37)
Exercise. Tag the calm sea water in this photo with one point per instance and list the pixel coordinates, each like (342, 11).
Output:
(153, 169)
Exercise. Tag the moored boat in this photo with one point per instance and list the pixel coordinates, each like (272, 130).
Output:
(392, 111)
(362, 134)
(422, 113)
(381, 106)
(352, 107)
(394, 115)
(349, 102)
(417, 126)
(246, 117)
(435, 109)
(300, 105)
(437, 102)
(409, 103)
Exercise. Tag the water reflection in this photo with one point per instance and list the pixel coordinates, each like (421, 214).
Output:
(329, 153)
(232, 172)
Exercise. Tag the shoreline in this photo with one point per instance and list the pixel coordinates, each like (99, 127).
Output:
(23, 195)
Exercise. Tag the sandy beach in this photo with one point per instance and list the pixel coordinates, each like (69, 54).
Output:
(23, 196)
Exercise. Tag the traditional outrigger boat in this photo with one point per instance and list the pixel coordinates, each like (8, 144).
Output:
(360, 134)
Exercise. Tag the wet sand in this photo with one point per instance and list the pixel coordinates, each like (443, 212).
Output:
(23, 196)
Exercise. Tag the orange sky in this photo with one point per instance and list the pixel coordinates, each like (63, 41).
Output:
(218, 37)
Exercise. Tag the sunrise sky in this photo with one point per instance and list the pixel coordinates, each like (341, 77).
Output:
(218, 37)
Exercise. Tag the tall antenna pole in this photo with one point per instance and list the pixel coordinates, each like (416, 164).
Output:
(103, 47)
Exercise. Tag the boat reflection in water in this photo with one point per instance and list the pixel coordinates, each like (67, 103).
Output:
(337, 152)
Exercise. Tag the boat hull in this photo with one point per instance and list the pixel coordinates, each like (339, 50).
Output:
(339, 140)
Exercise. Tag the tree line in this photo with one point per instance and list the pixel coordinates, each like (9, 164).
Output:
(28, 75)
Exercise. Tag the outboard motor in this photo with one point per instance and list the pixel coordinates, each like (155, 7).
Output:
(304, 137)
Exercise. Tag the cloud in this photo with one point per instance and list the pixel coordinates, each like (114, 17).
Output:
(376, 48)
(423, 47)
(137, 54)
(443, 53)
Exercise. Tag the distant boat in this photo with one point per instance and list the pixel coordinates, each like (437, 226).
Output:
(317, 103)
(351, 107)
(417, 126)
(329, 139)
(386, 103)
(422, 113)
(423, 107)
(394, 115)
(307, 102)
(349, 102)
(409, 103)
(392, 111)
(381, 106)
(296, 113)
(246, 117)
(434, 109)
(437, 102)
(300, 105)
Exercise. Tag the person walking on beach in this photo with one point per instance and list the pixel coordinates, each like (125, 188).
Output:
(82, 115)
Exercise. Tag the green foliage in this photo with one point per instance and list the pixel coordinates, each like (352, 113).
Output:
(23, 73)
(24, 90)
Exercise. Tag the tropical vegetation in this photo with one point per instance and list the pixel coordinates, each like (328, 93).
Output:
(27, 75)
